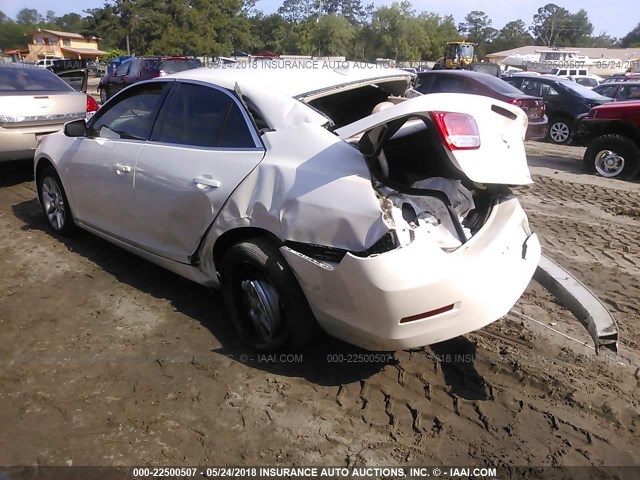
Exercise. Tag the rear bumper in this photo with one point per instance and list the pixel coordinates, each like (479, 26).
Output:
(537, 130)
(20, 143)
(363, 300)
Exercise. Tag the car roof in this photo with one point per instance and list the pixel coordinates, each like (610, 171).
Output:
(619, 84)
(275, 75)
(550, 78)
(460, 73)
(277, 91)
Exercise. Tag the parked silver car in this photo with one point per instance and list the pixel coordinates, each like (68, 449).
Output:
(35, 102)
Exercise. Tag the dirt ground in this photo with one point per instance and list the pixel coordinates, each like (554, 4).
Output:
(109, 360)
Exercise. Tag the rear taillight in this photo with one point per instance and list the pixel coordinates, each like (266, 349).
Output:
(92, 106)
(533, 108)
(458, 130)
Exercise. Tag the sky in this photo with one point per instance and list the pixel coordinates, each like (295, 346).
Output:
(614, 17)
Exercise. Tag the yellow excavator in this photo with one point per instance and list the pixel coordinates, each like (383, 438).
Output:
(462, 56)
(457, 55)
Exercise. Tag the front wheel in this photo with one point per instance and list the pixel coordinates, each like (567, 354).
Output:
(613, 156)
(263, 298)
(54, 202)
(560, 131)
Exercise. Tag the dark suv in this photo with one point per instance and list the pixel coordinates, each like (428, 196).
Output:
(612, 136)
(136, 69)
(566, 102)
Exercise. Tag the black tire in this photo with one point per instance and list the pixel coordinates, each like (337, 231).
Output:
(55, 205)
(246, 268)
(560, 130)
(622, 150)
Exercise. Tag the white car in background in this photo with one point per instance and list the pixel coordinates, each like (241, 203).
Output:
(389, 230)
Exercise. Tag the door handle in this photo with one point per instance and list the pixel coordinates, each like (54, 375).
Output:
(207, 181)
(120, 169)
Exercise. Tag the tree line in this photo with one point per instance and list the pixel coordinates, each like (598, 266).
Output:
(304, 27)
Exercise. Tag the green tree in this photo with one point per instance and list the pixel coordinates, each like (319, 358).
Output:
(603, 40)
(333, 36)
(70, 22)
(477, 28)
(299, 11)
(396, 33)
(631, 39)
(29, 16)
(513, 35)
(578, 30)
(549, 24)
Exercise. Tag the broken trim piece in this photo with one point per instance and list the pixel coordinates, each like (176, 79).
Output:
(582, 302)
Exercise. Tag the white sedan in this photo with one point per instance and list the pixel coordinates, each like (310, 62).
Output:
(311, 196)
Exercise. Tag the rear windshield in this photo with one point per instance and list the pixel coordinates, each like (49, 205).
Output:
(499, 85)
(587, 82)
(179, 65)
(582, 91)
(25, 79)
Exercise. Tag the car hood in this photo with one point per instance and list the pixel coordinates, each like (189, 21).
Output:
(501, 157)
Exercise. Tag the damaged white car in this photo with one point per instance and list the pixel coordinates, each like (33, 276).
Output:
(313, 197)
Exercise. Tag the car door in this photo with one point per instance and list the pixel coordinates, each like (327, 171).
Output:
(202, 147)
(100, 166)
(555, 103)
(607, 90)
(117, 80)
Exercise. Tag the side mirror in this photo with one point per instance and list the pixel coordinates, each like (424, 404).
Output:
(77, 128)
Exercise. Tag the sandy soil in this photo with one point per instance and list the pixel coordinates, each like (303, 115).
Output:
(109, 360)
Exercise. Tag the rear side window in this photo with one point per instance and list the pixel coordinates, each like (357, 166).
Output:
(30, 80)
(608, 90)
(201, 116)
(132, 117)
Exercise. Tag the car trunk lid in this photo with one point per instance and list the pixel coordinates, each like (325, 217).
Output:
(499, 158)
(42, 108)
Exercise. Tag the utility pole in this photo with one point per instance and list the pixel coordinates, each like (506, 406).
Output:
(128, 50)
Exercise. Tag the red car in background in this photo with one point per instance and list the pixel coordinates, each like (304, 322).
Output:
(142, 68)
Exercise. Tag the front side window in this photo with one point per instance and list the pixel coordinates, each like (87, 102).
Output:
(123, 69)
(132, 117)
(631, 92)
(608, 91)
(201, 116)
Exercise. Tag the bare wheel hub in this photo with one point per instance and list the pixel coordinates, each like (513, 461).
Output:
(53, 203)
(609, 163)
(263, 307)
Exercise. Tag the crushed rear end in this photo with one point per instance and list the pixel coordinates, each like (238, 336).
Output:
(458, 251)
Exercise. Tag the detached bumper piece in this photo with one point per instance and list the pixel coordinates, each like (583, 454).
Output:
(580, 301)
